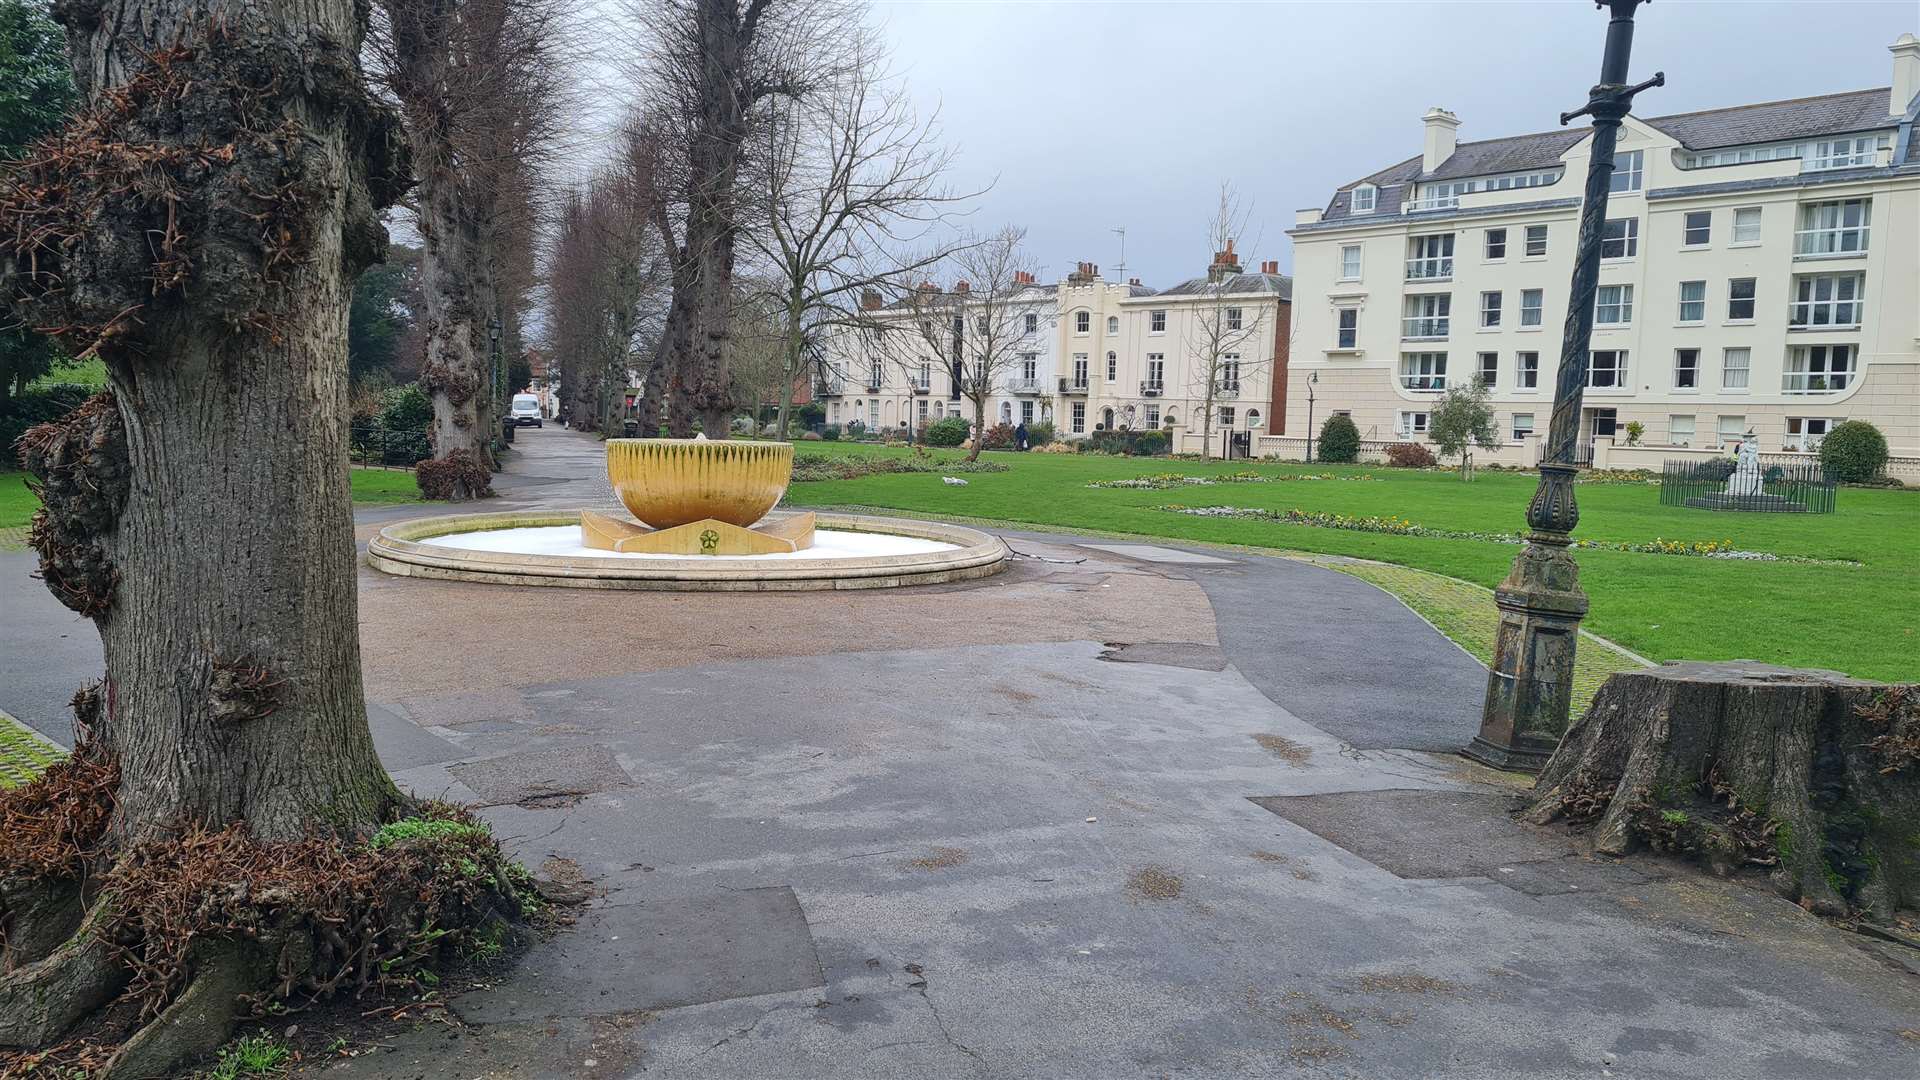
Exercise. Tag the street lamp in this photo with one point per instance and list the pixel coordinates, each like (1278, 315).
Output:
(499, 382)
(1530, 686)
(1313, 379)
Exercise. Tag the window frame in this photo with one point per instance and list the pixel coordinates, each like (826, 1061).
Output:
(1622, 306)
(1358, 267)
(1618, 368)
(1372, 194)
(1538, 309)
(1628, 242)
(1489, 377)
(1346, 337)
(1528, 238)
(1687, 229)
(1839, 365)
(1157, 321)
(1520, 434)
(1821, 241)
(1751, 300)
(1488, 243)
(1526, 370)
(1745, 369)
(1693, 428)
(1427, 317)
(1234, 318)
(1633, 175)
(1082, 323)
(1686, 371)
(1490, 312)
(1700, 303)
(1423, 371)
(1802, 313)
(1411, 422)
(1759, 219)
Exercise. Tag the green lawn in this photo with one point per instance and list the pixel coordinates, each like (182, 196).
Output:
(1863, 619)
(370, 486)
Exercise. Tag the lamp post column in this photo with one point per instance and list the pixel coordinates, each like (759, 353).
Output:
(1530, 686)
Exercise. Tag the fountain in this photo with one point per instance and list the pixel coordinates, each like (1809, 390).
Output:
(700, 516)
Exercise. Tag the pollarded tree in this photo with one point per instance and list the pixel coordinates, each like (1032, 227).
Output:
(1462, 421)
(980, 326)
(197, 227)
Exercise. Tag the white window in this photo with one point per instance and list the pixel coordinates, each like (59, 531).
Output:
(1613, 305)
(1157, 322)
(1347, 328)
(1032, 322)
(1693, 301)
(1423, 371)
(1430, 257)
(1826, 300)
(1253, 419)
(1080, 371)
(1680, 430)
(1026, 411)
(1626, 171)
(1536, 240)
(1842, 153)
(1833, 228)
(1229, 371)
(875, 377)
(1490, 309)
(1740, 295)
(1620, 238)
(1531, 302)
(1735, 364)
(1029, 365)
(1522, 426)
(1156, 371)
(1350, 262)
(1364, 198)
(1805, 432)
(1082, 322)
(1686, 369)
(1527, 370)
(1153, 415)
(1113, 367)
(1496, 244)
(1412, 423)
(1113, 324)
(1730, 429)
(924, 378)
(1489, 369)
(873, 414)
(1428, 315)
(1818, 369)
(1079, 414)
(1226, 417)
(1697, 229)
(1746, 225)
(1233, 318)
(923, 410)
(1607, 369)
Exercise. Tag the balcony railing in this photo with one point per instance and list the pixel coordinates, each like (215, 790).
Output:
(874, 382)
(1436, 269)
(1151, 388)
(829, 387)
(1072, 386)
(1833, 243)
(921, 386)
(1229, 389)
(1431, 202)
(1425, 327)
(1423, 382)
(1815, 382)
(1023, 386)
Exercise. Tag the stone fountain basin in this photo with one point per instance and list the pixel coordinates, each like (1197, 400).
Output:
(852, 552)
(669, 482)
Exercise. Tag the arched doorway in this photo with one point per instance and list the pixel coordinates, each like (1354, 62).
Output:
(1106, 419)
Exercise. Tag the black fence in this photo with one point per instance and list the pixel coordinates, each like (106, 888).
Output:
(1801, 487)
(373, 444)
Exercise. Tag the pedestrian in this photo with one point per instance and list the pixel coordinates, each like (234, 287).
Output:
(1020, 436)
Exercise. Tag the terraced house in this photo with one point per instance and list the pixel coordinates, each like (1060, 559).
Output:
(1760, 270)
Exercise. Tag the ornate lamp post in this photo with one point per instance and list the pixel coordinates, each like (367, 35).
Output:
(1313, 377)
(1531, 684)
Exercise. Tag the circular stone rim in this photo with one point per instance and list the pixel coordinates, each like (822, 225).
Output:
(400, 549)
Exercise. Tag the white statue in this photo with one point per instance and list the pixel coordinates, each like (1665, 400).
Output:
(1746, 478)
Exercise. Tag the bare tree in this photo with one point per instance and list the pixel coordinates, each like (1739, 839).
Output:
(979, 325)
(850, 180)
(1224, 325)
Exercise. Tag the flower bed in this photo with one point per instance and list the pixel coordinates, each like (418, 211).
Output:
(1167, 481)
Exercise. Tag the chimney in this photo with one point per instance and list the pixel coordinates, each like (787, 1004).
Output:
(1442, 132)
(1906, 73)
(960, 287)
(870, 300)
(1271, 266)
(1224, 263)
(1133, 281)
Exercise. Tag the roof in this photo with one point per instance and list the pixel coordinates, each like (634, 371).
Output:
(1772, 121)
(1236, 285)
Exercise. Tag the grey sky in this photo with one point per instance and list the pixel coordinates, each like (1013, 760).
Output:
(1096, 115)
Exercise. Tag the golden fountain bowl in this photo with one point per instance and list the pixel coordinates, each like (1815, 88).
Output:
(669, 482)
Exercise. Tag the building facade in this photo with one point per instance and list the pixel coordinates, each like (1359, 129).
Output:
(1760, 270)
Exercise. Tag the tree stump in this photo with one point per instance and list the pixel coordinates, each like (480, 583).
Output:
(1812, 774)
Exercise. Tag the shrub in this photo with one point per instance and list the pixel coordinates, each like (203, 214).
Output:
(1000, 437)
(443, 478)
(1635, 429)
(1410, 455)
(1339, 440)
(811, 413)
(1058, 448)
(1040, 434)
(856, 429)
(1132, 443)
(1854, 452)
(1715, 469)
(399, 432)
(37, 406)
(946, 431)
(830, 433)
(815, 467)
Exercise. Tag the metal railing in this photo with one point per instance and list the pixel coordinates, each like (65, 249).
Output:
(1431, 202)
(1801, 487)
(371, 444)
(1226, 389)
(1815, 382)
(1434, 269)
(1151, 388)
(1425, 327)
(829, 387)
(1023, 386)
(1072, 386)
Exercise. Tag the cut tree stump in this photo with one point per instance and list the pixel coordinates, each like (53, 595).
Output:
(1812, 773)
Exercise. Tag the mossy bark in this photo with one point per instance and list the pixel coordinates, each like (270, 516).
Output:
(1813, 753)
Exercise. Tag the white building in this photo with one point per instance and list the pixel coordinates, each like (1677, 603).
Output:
(1760, 270)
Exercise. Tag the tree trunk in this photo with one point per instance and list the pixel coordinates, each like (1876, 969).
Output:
(1810, 772)
(979, 427)
(455, 371)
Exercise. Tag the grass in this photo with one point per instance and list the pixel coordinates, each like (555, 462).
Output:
(1863, 620)
(254, 1056)
(371, 487)
(82, 372)
(23, 753)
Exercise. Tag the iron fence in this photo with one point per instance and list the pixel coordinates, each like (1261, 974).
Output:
(369, 443)
(1802, 487)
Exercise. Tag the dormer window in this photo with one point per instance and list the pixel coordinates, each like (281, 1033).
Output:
(1365, 197)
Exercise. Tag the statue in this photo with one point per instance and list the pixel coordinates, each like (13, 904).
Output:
(1747, 479)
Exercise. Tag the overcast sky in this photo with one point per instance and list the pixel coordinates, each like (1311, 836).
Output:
(1096, 115)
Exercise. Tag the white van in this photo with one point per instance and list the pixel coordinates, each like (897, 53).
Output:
(526, 410)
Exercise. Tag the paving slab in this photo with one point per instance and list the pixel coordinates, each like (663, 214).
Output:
(1422, 834)
(533, 774)
(403, 744)
(1155, 553)
(658, 954)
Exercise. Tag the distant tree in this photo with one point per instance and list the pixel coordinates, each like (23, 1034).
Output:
(36, 94)
(519, 374)
(1463, 421)
(1224, 328)
(383, 316)
(1854, 451)
(979, 326)
(1339, 440)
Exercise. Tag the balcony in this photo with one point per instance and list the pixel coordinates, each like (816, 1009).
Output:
(1431, 202)
(829, 387)
(1023, 386)
(874, 382)
(1425, 327)
(1226, 390)
(1072, 386)
(1815, 382)
(922, 386)
(1434, 269)
(1151, 388)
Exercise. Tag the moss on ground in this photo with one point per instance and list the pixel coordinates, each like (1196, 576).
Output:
(23, 752)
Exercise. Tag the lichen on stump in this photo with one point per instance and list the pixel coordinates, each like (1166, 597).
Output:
(1812, 774)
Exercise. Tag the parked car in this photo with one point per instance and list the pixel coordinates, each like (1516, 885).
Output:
(526, 411)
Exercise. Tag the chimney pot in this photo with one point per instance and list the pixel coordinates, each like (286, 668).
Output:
(1442, 134)
(870, 300)
(1133, 281)
(1906, 73)
(960, 286)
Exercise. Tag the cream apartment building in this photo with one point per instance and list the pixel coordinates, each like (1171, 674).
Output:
(1760, 270)
(1136, 358)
